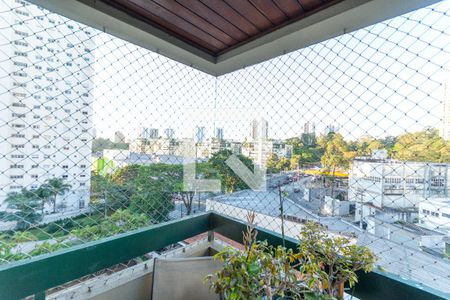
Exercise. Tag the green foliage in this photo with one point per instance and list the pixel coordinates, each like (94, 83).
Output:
(119, 222)
(23, 236)
(258, 271)
(423, 146)
(53, 188)
(327, 262)
(47, 247)
(324, 265)
(27, 206)
(230, 181)
(337, 154)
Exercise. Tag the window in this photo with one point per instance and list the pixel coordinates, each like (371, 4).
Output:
(19, 95)
(20, 43)
(20, 64)
(18, 104)
(18, 115)
(20, 12)
(21, 33)
(15, 166)
(20, 74)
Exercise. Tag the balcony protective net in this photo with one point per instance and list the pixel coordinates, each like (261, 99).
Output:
(99, 137)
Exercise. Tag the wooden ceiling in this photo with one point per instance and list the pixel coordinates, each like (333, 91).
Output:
(217, 26)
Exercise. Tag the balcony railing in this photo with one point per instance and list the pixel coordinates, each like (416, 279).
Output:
(36, 275)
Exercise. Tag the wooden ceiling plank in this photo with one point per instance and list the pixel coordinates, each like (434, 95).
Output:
(197, 21)
(176, 24)
(146, 16)
(248, 11)
(211, 16)
(290, 7)
(310, 4)
(223, 9)
(270, 10)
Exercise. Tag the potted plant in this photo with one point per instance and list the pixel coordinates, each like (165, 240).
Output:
(259, 272)
(318, 269)
(327, 262)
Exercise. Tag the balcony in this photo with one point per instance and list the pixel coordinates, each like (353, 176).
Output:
(139, 129)
(39, 274)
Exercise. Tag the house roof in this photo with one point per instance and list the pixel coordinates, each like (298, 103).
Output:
(221, 36)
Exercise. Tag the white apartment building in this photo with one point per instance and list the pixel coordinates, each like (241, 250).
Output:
(445, 130)
(434, 213)
(395, 184)
(260, 151)
(46, 104)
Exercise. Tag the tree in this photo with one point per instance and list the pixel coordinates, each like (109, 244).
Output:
(422, 146)
(107, 195)
(271, 163)
(27, 206)
(336, 156)
(230, 181)
(56, 187)
(153, 199)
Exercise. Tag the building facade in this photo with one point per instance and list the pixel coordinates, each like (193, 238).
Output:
(445, 131)
(260, 151)
(46, 105)
(434, 213)
(395, 184)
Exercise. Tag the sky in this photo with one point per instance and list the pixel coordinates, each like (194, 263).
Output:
(383, 80)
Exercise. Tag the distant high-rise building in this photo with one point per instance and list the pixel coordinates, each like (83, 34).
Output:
(200, 134)
(46, 107)
(219, 133)
(309, 127)
(169, 133)
(149, 133)
(445, 131)
(119, 137)
(331, 129)
(260, 129)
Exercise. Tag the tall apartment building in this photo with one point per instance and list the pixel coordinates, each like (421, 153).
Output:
(260, 129)
(445, 130)
(149, 133)
(218, 133)
(169, 133)
(260, 151)
(200, 134)
(46, 103)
